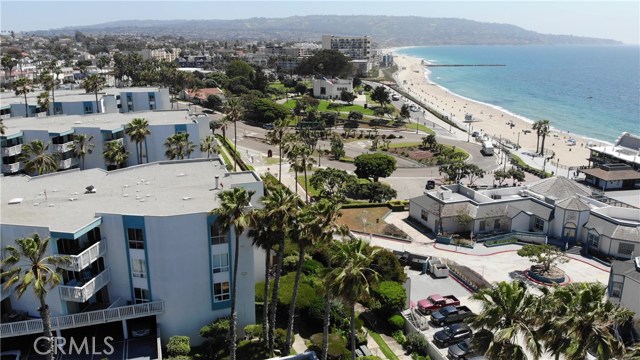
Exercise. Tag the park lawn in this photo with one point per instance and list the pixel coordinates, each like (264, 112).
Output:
(459, 151)
(312, 191)
(354, 219)
(421, 127)
(404, 144)
(324, 104)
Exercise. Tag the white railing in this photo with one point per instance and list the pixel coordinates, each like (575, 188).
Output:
(83, 319)
(84, 292)
(85, 258)
(64, 147)
(65, 164)
(13, 150)
(12, 168)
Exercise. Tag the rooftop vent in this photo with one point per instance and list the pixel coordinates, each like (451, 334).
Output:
(90, 189)
(15, 201)
(186, 198)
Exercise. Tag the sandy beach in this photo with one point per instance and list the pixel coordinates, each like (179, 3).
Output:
(487, 120)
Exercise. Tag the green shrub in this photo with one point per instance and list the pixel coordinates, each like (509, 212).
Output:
(387, 265)
(391, 295)
(178, 346)
(392, 230)
(370, 357)
(339, 315)
(280, 339)
(398, 336)
(415, 356)
(253, 331)
(417, 343)
(290, 263)
(306, 292)
(180, 357)
(218, 328)
(396, 322)
(311, 267)
(337, 345)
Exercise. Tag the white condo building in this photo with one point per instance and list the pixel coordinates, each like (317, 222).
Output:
(331, 88)
(79, 102)
(355, 47)
(142, 246)
(58, 132)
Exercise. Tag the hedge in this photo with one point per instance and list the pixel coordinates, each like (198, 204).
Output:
(178, 346)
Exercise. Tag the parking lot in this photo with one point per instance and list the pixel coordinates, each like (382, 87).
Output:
(421, 286)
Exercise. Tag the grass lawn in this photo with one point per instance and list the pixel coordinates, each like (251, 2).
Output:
(459, 151)
(412, 126)
(386, 350)
(404, 144)
(355, 218)
(323, 107)
(312, 191)
(274, 161)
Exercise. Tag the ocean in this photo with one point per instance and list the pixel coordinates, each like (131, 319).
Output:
(593, 91)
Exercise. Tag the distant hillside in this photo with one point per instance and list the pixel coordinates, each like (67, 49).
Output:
(385, 30)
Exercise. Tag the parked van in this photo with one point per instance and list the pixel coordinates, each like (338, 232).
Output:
(487, 148)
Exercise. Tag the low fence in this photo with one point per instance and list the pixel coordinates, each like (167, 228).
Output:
(528, 237)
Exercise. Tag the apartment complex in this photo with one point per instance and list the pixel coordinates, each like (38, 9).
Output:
(171, 54)
(555, 207)
(355, 47)
(58, 132)
(79, 102)
(139, 239)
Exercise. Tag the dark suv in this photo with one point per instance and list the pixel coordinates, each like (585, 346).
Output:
(462, 351)
(452, 334)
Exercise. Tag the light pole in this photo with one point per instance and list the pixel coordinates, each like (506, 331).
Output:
(469, 132)
(417, 122)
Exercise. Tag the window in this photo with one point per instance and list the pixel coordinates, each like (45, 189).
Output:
(57, 110)
(136, 241)
(221, 291)
(138, 268)
(217, 237)
(625, 248)
(323, 90)
(220, 262)
(538, 224)
(616, 289)
(593, 240)
(88, 109)
(424, 214)
(483, 225)
(141, 295)
(496, 224)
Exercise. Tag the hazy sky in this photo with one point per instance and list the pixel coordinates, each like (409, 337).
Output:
(604, 19)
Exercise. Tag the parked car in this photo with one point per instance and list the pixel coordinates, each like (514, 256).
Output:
(463, 350)
(395, 97)
(436, 302)
(475, 134)
(452, 335)
(450, 314)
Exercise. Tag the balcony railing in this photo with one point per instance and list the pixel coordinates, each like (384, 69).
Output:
(12, 151)
(19, 328)
(87, 290)
(12, 168)
(85, 258)
(67, 163)
(64, 147)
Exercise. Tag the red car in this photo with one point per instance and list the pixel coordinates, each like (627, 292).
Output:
(436, 302)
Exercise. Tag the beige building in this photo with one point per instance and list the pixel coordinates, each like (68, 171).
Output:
(355, 47)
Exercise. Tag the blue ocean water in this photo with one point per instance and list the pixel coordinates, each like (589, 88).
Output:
(592, 91)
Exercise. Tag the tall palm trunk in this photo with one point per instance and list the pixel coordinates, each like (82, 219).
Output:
(140, 153)
(327, 323)
(26, 106)
(306, 186)
(538, 143)
(294, 297)
(542, 145)
(97, 104)
(265, 306)
(280, 163)
(295, 171)
(234, 293)
(235, 146)
(353, 331)
(46, 324)
(274, 296)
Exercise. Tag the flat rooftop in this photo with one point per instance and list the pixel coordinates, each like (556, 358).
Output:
(156, 189)
(60, 123)
(9, 97)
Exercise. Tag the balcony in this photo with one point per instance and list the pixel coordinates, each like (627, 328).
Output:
(12, 151)
(19, 328)
(83, 292)
(64, 147)
(86, 257)
(67, 163)
(12, 168)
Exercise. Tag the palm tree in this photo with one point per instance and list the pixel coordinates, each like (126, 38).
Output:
(277, 137)
(508, 313)
(353, 278)
(115, 154)
(178, 146)
(37, 159)
(209, 145)
(235, 112)
(23, 87)
(232, 214)
(138, 129)
(56, 70)
(580, 320)
(43, 101)
(27, 266)
(93, 84)
(282, 207)
(264, 237)
(82, 146)
(300, 158)
(544, 131)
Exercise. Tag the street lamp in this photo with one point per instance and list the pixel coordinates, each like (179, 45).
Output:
(469, 132)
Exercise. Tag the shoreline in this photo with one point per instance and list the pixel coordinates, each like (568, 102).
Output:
(498, 108)
(490, 120)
